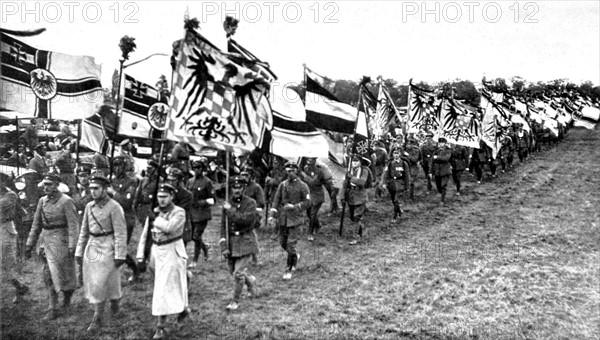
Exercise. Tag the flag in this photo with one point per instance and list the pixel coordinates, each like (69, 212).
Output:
(361, 136)
(217, 102)
(368, 105)
(422, 112)
(586, 117)
(386, 111)
(490, 124)
(143, 114)
(92, 134)
(47, 84)
(458, 125)
(292, 136)
(324, 110)
(250, 60)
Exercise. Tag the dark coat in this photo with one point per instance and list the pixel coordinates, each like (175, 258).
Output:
(441, 163)
(241, 219)
(460, 157)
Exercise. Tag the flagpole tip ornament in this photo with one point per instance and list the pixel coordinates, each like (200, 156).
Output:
(127, 45)
(365, 80)
(230, 25)
(191, 24)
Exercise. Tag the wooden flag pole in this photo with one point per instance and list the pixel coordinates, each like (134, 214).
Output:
(78, 139)
(117, 118)
(17, 143)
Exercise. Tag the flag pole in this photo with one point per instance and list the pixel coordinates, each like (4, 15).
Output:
(17, 142)
(346, 179)
(78, 139)
(127, 45)
(405, 128)
(117, 118)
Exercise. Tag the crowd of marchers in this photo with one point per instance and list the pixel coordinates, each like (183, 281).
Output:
(79, 218)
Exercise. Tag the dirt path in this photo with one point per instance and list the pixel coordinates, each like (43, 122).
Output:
(513, 257)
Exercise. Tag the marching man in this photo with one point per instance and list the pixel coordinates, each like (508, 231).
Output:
(167, 259)
(103, 244)
(237, 238)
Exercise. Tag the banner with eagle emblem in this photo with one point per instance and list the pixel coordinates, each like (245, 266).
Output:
(423, 112)
(144, 115)
(216, 102)
(47, 84)
(458, 125)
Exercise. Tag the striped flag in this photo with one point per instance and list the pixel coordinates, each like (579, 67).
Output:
(217, 102)
(47, 84)
(324, 110)
(291, 135)
(362, 135)
(93, 136)
(143, 114)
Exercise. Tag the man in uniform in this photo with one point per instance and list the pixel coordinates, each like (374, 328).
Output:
(145, 192)
(255, 192)
(9, 203)
(238, 241)
(103, 245)
(414, 157)
(167, 259)
(180, 158)
(522, 142)
(200, 213)
(66, 165)
(396, 179)
(56, 225)
(316, 178)
(427, 150)
(289, 206)
(459, 162)
(182, 198)
(38, 162)
(379, 157)
(123, 191)
(276, 175)
(479, 157)
(355, 194)
(441, 168)
(101, 164)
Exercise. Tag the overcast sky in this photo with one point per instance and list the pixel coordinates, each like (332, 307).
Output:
(430, 41)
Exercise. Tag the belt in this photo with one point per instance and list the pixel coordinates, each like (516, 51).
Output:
(102, 234)
(160, 243)
(52, 227)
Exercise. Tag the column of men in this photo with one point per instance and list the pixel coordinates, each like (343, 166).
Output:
(92, 228)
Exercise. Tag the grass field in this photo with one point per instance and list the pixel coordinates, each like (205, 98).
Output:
(516, 257)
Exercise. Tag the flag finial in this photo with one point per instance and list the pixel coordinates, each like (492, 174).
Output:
(230, 25)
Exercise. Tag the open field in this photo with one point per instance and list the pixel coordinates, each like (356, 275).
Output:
(516, 257)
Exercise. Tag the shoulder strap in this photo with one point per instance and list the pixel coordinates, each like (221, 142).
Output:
(96, 220)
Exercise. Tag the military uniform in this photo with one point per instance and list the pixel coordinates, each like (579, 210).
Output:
(355, 195)
(56, 225)
(144, 197)
(238, 228)
(38, 164)
(103, 239)
(290, 219)
(427, 150)
(397, 179)
(125, 187)
(180, 158)
(479, 157)
(168, 260)
(66, 167)
(414, 157)
(315, 177)
(200, 212)
(459, 162)
(441, 169)
(522, 143)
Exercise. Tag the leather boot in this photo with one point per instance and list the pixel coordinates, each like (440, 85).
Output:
(67, 295)
(52, 314)
(96, 323)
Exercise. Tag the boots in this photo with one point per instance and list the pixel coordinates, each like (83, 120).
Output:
(96, 323)
(52, 314)
(67, 295)
(20, 290)
(114, 308)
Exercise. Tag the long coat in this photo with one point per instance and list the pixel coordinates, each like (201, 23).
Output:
(460, 157)
(167, 261)
(102, 240)
(355, 191)
(51, 212)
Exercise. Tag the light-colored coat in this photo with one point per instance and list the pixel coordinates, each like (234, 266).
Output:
(167, 261)
(101, 279)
